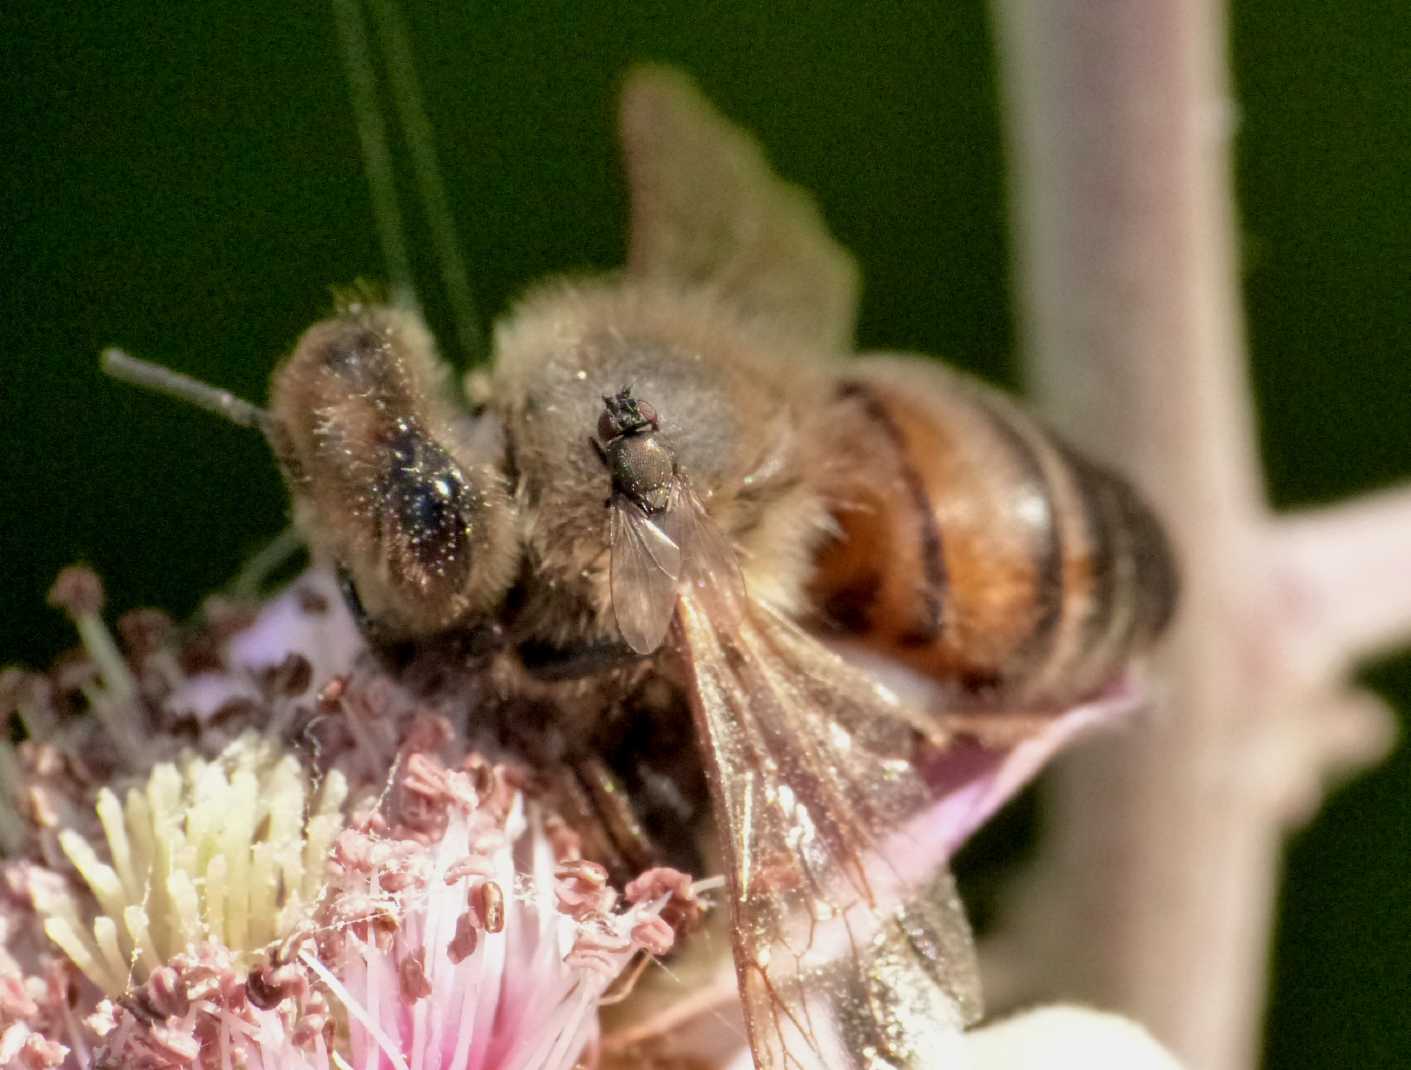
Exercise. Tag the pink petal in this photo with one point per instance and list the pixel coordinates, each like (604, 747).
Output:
(973, 780)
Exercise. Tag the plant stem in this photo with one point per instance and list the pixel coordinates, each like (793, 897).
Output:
(1165, 843)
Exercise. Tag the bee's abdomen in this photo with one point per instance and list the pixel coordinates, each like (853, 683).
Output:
(975, 547)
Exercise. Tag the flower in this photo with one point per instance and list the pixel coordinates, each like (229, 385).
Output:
(465, 936)
(229, 851)
(261, 847)
(458, 937)
(201, 1009)
(242, 902)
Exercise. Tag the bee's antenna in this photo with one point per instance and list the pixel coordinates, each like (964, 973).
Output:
(129, 369)
(372, 137)
(406, 96)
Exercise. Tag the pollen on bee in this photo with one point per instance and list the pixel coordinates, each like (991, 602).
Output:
(895, 767)
(1033, 509)
(842, 738)
(784, 796)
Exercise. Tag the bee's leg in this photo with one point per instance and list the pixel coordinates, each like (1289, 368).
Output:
(592, 802)
(390, 650)
(349, 590)
(570, 798)
(547, 662)
(615, 812)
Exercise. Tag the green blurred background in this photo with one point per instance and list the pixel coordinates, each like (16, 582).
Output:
(185, 180)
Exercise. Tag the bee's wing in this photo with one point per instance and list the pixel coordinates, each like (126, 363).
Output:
(707, 210)
(851, 946)
(646, 569)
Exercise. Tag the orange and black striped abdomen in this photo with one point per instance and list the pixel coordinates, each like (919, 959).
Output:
(976, 548)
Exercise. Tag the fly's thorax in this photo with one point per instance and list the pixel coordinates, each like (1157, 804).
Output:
(642, 467)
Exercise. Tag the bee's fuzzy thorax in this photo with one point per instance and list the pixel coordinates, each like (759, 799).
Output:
(738, 401)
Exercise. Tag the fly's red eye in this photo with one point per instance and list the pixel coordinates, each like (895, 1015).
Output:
(607, 426)
(647, 413)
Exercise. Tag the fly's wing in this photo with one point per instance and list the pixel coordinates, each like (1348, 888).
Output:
(708, 211)
(646, 570)
(851, 946)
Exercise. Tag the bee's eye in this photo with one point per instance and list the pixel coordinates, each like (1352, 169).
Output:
(429, 513)
(427, 505)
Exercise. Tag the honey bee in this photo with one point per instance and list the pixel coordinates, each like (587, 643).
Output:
(681, 472)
